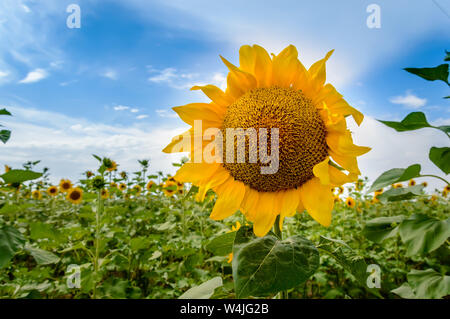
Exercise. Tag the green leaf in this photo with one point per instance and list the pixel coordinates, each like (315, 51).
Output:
(429, 284)
(381, 228)
(19, 176)
(343, 254)
(395, 175)
(5, 135)
(423, 234)
(42, 257)
(444, 128)
(222, 245)
(447, 56)
(431, 74)
(138, 243)
(203, 291)
(405, 291)
(413, 121)
(267, 265)
(4, 112)
(398, 194)
(98, 158)
(39, 230)
(440, 156)
(11, 241)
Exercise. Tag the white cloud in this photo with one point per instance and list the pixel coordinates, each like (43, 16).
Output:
(180, 80)
(409, 100)
(110, 74)
(44, 135)
(134, 110)
(121, 108)
(166, 113)
(142, 116)
(34, 76)
(3, 74)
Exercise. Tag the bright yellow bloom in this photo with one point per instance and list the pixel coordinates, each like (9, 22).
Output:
(104, 193)
(230, 258)
(275, 92)
(150, 185)
(113, 185)
(112, 166)
(398, 185)
(350, 202)
(235, 227)
(447, 188)
(75, 195)
(137, 189)
(122, 186)
(65, 185)
(36, 194)
(412, 182)
(337, 199)
(340, 190)
(7, 168)
(52, 190)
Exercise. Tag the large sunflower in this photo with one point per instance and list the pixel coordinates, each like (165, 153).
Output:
(316, 151)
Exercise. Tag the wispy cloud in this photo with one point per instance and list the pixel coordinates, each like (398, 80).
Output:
(121, 108)
(142, 116)
(3, 74)
(110, 74)
(166, 113)
(35, 76)
(409, 100)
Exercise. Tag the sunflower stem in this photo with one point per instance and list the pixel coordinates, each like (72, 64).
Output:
(277, 230)
(98, 213)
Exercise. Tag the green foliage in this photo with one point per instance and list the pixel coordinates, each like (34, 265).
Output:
(203, 291)
(222, 244)
(4, 134)
(268, 265)
(11, 241)
(431, 74)
(395, 175)
(381, 228)
(440, 156)
(19, 176)
(398, 194)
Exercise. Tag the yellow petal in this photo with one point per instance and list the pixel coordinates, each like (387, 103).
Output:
(196, 172)
(238, 81)
(318, 201)
(199, 111)
(289, 201)
(337, 177)
(318, 73)
(230, 195)
(266, 214)
(347, 162)
(342, 107)
(175, 146)
(321, 171)
(285, 66)
(215, 94)
(342, 143)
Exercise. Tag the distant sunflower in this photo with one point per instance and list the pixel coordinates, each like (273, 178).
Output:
(412, 182)
(36, 194)
(424, 184)
(104, 193)
(169, 188)
(7, 168)
(149, 185)
(398, 185)
(122, 186)
(75, 195)
(447, 188)
(65, 185)
(337, 199)
(350, 202)
(113, 185)
(274, 92)
(340, 190)
(52, 190)
(137, 189)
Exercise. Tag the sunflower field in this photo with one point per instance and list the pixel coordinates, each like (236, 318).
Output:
(302, 224)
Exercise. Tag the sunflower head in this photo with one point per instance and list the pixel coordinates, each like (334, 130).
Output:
(123, 175)
(36, 194)
(411, 182)
(289, 144)
(104, 193)
(337, 199)
(113, 185)
(149, 185)
(137, 189)
(109, 164)
(122, 186)
(350, 202)
(7, 168)
(89, 174)
(398, 185)
(75, 195)
(424, 184)
(52, 191)
(447, 188)
(65, 185)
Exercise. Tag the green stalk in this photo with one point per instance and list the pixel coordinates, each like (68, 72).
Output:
(276, 229)
(98, 213)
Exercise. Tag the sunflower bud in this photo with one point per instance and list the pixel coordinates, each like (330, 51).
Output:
(98, 182)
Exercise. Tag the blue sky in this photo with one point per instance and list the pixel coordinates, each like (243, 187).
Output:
(108, 87)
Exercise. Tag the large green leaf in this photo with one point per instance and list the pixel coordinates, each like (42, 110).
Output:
(5, 135)
(19, 176)
(413, 121)
(378, 229)
(429, 284)
(403, 193)
(203, 291)
(405, 291)
(268, 265)
(440, 156)
(423, 234)
(395, 175)
(11, 241)
(431, 74)
(222, 244)
(42, 257)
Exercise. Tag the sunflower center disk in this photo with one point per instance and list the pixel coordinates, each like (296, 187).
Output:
(301, 142)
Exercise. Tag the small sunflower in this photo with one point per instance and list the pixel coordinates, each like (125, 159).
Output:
(36, 194)
(137, 189)
(113, 185)
(123, 174)
(278, 93)
(169, 188)
(445, 192)
(7, 168)
(89, 174)
(398, 185)
(75, 195)
(122, 186)
(52, 191)
(434, 198)
(65, 185)
(104, 193)
(411, 182)
(447, 188)
(149, 185)
(340, 190)
(424, 184)
(230, 258)
(350, 202)
(337, 199)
